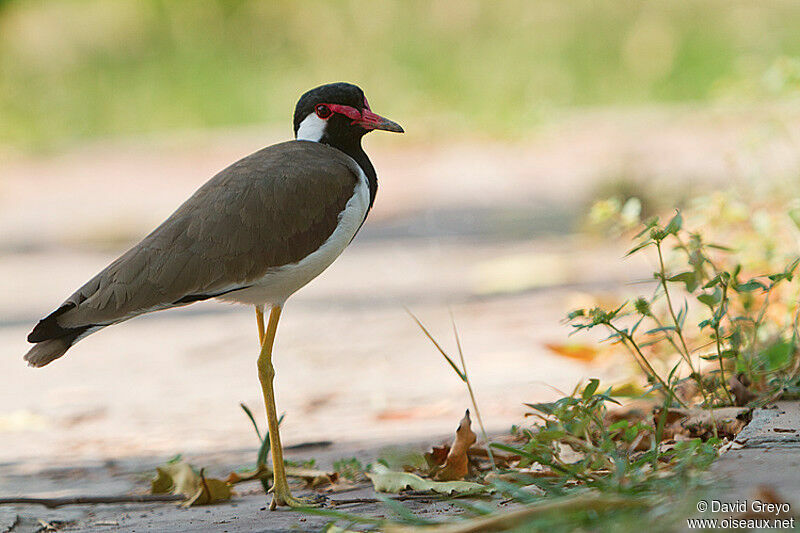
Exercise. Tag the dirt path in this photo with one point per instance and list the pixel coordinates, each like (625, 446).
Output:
(482, 229)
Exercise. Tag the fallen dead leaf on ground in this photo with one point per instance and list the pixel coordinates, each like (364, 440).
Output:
(502, 459)
(633, 412)
(739, 386)
(436, 457)
(181, 478)
(210, 491)
(456, 465)
(582, 352)
(700, 423)
(314, 478)
(385, 480)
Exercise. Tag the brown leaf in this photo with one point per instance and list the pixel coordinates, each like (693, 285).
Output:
(180, 478)
(210, 491)
(237, 477)
(501, 459)
(699, 423)
(739, 388)
(581, 352)
(436, 457)
(313, 478)
(633, 412)
(456, 466)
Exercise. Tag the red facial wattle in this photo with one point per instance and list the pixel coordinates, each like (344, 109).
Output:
(366, 118)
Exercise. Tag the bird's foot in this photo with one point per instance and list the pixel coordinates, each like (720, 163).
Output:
(284, 498)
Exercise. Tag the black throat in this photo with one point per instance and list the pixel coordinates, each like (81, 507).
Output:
(352, 147)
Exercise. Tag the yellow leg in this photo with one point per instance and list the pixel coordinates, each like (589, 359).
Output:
(260, 321)
(281, 495)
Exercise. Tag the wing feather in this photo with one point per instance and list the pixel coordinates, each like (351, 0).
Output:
(269, 209)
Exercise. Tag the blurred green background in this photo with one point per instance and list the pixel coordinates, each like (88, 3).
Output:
(78, 69)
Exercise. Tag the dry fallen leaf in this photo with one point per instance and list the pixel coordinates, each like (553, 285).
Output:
(699, 423)
(313, 478)
(456, 466)
(210, 491)
(501, 459)
(385, 480)
(634, 412)
(581, 352)
(436, 457)
(177, 478)
(180, 478)
(739, 388)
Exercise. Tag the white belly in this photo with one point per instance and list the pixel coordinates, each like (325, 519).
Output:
(281, 282)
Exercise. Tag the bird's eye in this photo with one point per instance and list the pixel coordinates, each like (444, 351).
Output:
(323, 111)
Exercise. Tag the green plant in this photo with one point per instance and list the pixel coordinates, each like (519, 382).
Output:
(581, 447)
(594, 476)
(731, 340)
(308, 463)
(720, 327)
(263, 449)
(349, 468)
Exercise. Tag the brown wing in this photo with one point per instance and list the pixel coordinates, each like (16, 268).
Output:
(269, 209)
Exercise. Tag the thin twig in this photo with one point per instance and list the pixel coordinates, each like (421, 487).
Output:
(399, 498)
(93, 500)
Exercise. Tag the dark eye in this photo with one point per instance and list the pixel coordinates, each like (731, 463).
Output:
(323, 111)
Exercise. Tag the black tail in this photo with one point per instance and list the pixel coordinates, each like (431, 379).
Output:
(52, 340)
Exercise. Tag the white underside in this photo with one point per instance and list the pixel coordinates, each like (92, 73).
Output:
(281, 282)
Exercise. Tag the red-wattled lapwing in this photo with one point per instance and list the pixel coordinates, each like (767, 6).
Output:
(253, 234)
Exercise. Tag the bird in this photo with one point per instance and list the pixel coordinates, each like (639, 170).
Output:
(254, 234)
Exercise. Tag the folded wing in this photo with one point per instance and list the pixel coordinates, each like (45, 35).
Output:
(267, 210)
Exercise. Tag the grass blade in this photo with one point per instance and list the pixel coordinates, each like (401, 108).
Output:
(438, 347)
(249, 414)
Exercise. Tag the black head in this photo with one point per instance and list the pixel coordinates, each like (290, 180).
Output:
(337, 114)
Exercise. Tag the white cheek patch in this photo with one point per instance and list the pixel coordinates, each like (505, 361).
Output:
(311, 129)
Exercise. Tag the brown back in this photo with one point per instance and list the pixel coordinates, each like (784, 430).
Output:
(269, 209)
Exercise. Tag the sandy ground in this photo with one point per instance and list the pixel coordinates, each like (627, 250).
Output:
(482, 229)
